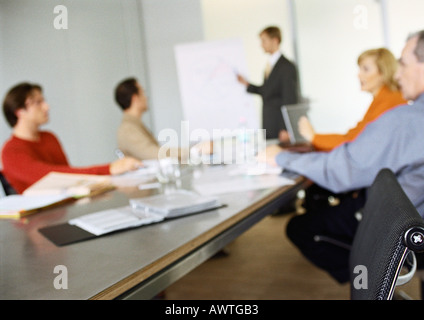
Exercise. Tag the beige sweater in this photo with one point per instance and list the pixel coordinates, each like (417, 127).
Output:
(135, 140)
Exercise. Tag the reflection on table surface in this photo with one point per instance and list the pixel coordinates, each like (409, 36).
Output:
(111, 264)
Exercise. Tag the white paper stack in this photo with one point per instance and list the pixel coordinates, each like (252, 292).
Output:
(178, 203)
(16, 206)
(137, 177)
(142, 211)
(106, 221)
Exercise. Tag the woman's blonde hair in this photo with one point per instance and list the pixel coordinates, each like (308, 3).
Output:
(386, 64)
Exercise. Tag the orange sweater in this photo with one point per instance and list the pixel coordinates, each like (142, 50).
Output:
(383, 101)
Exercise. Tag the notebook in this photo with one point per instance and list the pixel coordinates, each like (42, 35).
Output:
(16, 206)
(70, 184)
(291, 115)
(147, 210)
(178, 203)
(106, 221)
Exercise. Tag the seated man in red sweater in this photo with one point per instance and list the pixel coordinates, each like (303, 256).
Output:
(31, 153)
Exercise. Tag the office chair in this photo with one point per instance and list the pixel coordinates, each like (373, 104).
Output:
(389, 233)
(7, 188)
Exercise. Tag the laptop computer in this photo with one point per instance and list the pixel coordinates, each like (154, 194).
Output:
(291, 115)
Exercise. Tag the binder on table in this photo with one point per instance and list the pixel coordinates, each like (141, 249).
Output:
(140, 211)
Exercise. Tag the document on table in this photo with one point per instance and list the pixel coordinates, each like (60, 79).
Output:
(70, 184)
(139, 176)
(146, 210)
(106, 221)
(241, 183)
(240, 178)
(178, 203)
(17, 206)
(255, 169)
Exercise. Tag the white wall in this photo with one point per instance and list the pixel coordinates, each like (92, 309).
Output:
(328, 45)
(108, 40)
(245, 19)
(78, 67)
(404, 17)
(331, 37)
(167, 23)
(4, 130)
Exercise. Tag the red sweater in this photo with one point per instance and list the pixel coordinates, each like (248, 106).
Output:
(25, 162)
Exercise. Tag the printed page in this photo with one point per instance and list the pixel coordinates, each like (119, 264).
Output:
(178, 203)
(19, 203)
(135, 178)
(68, 183)
(241, 183)
(106, 221)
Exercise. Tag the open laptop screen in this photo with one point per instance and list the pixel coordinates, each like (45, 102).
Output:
(291, 115)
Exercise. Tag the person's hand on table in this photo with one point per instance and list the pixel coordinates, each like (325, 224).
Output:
(123, 165)
(268, 155)
(284, 136)
(306, 129)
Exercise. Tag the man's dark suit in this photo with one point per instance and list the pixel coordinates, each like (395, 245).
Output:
(280, 88)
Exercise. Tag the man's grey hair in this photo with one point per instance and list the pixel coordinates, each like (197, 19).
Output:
(419, 49)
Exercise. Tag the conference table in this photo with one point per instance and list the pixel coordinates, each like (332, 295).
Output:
(135, 263)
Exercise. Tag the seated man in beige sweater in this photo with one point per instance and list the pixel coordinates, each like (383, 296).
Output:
(134, 139)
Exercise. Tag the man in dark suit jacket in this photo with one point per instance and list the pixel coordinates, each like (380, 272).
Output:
(280, 85)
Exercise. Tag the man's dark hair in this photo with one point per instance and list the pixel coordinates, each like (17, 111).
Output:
(273, 32)
(15, 99)
(419, 49)
(124, 92)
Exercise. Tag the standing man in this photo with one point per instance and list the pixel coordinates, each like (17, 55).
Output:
(280, 85)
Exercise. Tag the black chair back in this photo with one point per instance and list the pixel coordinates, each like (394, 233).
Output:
(389, 230)
(8, 189)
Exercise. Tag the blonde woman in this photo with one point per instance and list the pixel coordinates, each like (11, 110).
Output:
(377, 68)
